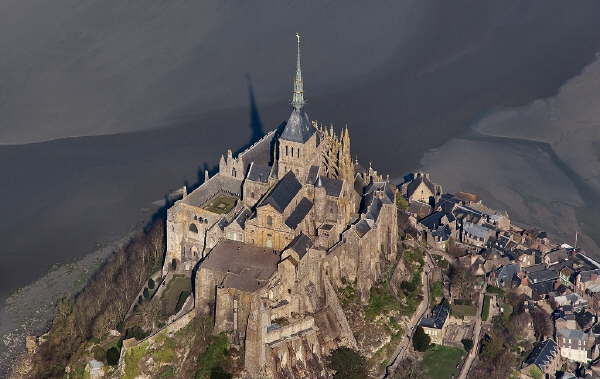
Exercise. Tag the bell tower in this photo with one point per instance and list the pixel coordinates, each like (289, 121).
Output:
(297, 146)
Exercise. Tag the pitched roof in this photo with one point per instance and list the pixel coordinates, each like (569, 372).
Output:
(542, 276)
(439, 314)
(414, 184)
(435, 219)
(298, 127)
(283, 193)
(333, 187)
(542, 354)
(362, 227)
(301, 244)
(259, 173)
(298, 214)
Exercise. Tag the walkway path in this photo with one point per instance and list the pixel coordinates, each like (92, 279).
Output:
(404, 345)
(476, 337)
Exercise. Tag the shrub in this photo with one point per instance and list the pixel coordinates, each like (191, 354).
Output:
(467, 343)
(421, 341)
(151, 283)
(140, 299)
(436, 289)
(112, 356)
(182, 297)
(485, 312)
(495, 290)
(212, 360)
(99, 353)
(408, 286)
(146, 293)
(136, 332)
(401, 202)
(347, 363)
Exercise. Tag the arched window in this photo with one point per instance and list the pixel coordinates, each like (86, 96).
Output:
(269, 220)
(193, 228)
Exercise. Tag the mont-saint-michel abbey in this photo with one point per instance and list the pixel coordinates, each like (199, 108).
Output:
(267, 237)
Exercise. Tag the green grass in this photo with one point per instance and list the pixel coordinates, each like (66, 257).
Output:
(440, 362)
(463, 310)
(436, 289)
(381, 300)
(132, 360)
(485, 312)
(220, 204)
(165, 353)
(172, 293)
(212, 360)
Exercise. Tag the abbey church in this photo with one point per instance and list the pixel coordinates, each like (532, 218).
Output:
(268, 238)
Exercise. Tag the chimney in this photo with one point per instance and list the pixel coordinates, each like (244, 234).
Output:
(184, 191)
(206, 177)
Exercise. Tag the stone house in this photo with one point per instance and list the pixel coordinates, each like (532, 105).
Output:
(545, 356)
(574, 344)
(421, 188)
(435, 325)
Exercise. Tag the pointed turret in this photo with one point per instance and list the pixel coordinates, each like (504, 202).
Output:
(298, 95)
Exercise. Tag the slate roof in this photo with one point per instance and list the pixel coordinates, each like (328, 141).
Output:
(443, 233)
(333, 187)
(541, 289)
(479, 231)
(543, 354)
(584, 319)
(557, 255)
(359, 184)
(434, 220)
(439, 314)
(285, 190)
(572, 338)
(506, 273)
(259, 173)
(298, 214)
(313, 173)
(301, 244)
(260, 151)
(412, 186)
(362, 227)
(298, 127)
(217, 184)
(542, 276)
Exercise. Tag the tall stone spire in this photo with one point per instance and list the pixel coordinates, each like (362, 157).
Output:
(298, 95)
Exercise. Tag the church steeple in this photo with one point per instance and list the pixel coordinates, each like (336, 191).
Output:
(298, 95)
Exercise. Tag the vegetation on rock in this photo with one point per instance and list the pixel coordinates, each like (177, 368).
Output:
(347, 364)
(421, 340)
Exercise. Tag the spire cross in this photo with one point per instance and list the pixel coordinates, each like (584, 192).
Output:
(298, 94)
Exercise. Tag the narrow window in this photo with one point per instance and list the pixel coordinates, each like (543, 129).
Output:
(286, 151)
(269, 220)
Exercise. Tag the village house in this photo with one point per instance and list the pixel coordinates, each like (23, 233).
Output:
(435, 325)
(545, 356)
